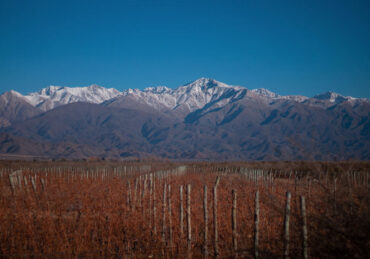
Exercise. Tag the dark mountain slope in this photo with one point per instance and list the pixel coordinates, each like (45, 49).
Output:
(95, 126)
(13, 108)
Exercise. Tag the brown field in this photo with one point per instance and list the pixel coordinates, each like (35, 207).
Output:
(102, 209)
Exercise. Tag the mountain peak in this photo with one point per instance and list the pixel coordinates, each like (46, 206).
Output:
(49, 90)
(331, 97)
(94, 86)
(53, 96)
(266, 93)
(206, 83)
(11, 95)
(158, 89)
(12, 92)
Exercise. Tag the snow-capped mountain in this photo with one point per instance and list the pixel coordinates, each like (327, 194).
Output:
(195, 95)
(201, 93)
(266, 93)
(271, 95)
(204, 119)
(188, 97)
(334, 97)
(53, 96)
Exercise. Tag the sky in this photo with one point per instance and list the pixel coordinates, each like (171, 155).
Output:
(289, 47)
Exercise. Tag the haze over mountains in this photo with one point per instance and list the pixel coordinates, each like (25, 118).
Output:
(205, 120)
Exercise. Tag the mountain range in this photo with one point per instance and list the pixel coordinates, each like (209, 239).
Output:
(201, 120)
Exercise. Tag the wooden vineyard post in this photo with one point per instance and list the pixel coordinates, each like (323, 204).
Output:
(25, 184)
(295, 184)
(164, 214)
(33, 182)
(181, 213)
(154, 210)
(256, 221)
(150, 201)
(42, 184)
(368, 183)
(205, 250)
(128, 200)
(12, 185)
(143, 194)
(286, 226)
(170, 216)
(215, 217)
(135, 193)
(335, 195)
(188, 212)
(235, 234)
(304, 228)
(140, 191)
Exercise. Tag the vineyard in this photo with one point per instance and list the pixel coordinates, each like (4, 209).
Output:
(171, 210)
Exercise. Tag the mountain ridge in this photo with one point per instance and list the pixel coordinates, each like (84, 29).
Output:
(54, 96)
(202, 120)
(188, 94)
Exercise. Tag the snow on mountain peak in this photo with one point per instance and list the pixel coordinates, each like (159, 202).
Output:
(16, 93)
(331, 97)
(205, 83)
(49, 90)
(271, 95)
(6, 97)
(197, 94)
(53, 96)
(185, 98)
(266, 93)
(158, 89)
(188, 97)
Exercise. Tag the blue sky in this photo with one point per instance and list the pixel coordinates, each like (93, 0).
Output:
(289, 47)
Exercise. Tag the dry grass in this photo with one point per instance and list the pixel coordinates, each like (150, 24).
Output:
(78, 216)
